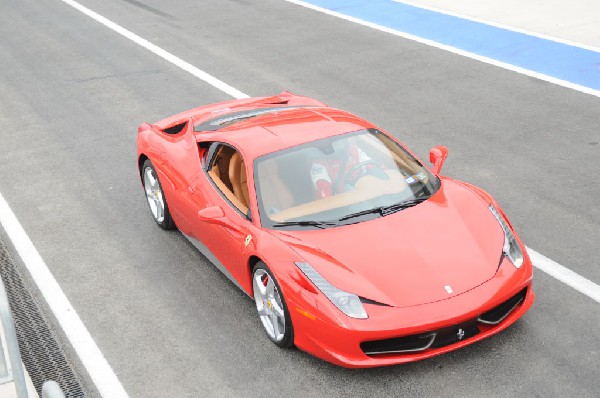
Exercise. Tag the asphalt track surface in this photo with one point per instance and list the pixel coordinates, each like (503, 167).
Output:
(72, 93)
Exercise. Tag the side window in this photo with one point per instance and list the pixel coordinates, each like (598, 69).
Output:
(226, 168)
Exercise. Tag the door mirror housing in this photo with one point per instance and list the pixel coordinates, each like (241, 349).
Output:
(437, 156)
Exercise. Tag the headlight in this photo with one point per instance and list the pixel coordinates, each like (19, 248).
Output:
(511, 248)
(346, 302)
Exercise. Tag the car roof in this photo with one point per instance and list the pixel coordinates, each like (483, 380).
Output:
(284, 128)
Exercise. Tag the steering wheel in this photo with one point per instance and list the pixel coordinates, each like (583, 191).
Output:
(349, 173)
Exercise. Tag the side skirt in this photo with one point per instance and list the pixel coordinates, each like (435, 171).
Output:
(213, 259)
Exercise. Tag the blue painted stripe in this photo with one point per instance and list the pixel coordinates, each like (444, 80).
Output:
(558, 60)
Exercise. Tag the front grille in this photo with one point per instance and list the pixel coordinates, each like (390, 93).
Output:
(455, 333)
(445, 336)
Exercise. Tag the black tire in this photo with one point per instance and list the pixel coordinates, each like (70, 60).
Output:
(287, 340)
(166, 221)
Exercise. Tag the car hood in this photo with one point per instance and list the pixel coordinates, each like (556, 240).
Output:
(438, 249)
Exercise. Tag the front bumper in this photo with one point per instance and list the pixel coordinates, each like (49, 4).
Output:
(340, 342)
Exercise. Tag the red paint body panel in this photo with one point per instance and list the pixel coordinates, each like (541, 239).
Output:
(451, 239)
(403, 260)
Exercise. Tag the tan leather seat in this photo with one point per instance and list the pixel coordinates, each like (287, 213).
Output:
(274, 193)
(237, 176)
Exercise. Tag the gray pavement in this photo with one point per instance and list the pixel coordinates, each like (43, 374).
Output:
(72, 94)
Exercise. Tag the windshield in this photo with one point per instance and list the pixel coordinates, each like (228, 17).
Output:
(338, 180)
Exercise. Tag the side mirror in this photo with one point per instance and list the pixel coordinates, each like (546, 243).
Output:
(211, 214)
(437, 156)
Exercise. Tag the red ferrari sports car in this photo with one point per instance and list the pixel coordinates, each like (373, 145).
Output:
(352, 249)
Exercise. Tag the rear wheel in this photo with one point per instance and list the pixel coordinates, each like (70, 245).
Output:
(156, 197)
(271, 307)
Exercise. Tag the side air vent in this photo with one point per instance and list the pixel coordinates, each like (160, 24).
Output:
(175, 129)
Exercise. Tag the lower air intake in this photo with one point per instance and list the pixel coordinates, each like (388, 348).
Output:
(412, 343)
(497, 314)
(445, 336)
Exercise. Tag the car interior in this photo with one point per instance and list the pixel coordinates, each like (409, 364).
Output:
(228, 172)
(288, 193)
(286, 190)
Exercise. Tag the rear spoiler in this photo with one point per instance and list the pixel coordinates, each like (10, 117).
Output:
(282, 98)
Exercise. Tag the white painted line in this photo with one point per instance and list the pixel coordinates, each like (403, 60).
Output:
(96, 365)
(451, 49)
(167, 56)
(565, 275)
(501, 26)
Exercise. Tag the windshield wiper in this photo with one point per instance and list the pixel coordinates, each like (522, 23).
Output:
(308, 223)
(385, 210)
(377, 210)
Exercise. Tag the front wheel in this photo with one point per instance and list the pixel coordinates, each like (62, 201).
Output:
(156, 197)
(271, 307)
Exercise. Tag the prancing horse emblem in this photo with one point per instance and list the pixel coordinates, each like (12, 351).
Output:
(460, 334)
(448, 289)
(247, 241)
